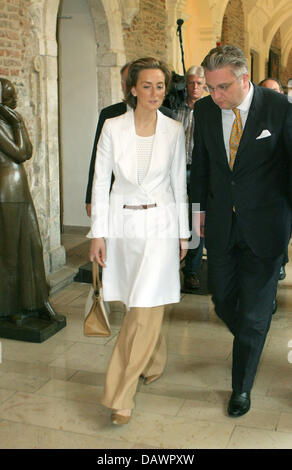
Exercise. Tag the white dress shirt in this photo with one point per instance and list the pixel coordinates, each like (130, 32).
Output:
(228, 117)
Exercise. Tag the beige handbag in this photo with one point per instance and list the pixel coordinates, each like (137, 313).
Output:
(96, 321)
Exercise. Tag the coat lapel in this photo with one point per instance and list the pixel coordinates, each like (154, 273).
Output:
(127, 140)
(251, 126)
(215, 129)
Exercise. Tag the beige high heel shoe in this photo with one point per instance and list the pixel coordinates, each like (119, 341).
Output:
(119, 419)
(151, 378)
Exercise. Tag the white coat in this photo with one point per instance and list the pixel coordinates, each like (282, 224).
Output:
(142, 246)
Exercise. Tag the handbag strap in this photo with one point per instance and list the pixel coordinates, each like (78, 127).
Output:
(96, 282)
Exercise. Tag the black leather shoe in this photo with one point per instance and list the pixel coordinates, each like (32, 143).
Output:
(191, 283)
(239, 404)
(275, 306)
(282, 274)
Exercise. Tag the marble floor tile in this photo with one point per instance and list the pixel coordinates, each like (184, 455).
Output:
(285, 423)
(21, 382)
(217, 412)
(39, 369)
(44, 352)
(174, 432)
(84, 356)
(199, 347)
(71, 391)
(54, 413)
(5, 394)
(26, 436)
(250, 438)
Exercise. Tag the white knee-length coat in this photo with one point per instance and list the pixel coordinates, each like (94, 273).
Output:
(142, 246)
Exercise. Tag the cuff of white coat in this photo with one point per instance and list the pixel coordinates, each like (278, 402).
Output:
(98, 235)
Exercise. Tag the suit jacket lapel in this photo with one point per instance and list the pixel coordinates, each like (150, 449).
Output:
(215, 129)
(251, 126)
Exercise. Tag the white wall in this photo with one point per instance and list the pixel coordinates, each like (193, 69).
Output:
(78, 106)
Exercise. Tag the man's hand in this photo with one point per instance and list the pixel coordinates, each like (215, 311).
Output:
(88, 209)
(199, 223)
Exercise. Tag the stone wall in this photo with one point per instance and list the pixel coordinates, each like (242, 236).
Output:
(233, 25)
(21, 32)
(147, 34)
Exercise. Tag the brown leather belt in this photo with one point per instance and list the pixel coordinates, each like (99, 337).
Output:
(142, 206)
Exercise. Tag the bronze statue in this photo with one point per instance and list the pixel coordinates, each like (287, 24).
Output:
(24, 290)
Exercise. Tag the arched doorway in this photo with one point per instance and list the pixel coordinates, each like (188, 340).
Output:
(110, 57)
(78, 105)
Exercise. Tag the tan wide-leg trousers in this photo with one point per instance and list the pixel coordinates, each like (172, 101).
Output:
(140, 349)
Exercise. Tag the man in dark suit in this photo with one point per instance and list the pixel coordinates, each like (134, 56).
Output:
(111, 111)
(245, 196)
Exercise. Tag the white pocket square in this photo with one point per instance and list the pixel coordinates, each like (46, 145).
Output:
(264, 133)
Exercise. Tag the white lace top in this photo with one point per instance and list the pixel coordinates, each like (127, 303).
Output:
(143, 153)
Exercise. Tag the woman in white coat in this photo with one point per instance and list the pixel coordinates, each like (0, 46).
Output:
(139, 231)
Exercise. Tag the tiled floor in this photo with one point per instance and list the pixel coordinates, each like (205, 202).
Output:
(49, 392)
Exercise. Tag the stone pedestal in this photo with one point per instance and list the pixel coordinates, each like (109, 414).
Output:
(84, 273)
(32, 329)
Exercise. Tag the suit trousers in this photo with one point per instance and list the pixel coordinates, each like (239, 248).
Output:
(243, 288)
(140, 349)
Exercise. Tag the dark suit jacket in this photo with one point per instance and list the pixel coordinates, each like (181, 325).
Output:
(260, 185)
(111, 111)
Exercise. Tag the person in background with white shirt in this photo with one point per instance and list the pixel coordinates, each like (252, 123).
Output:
(195, 87)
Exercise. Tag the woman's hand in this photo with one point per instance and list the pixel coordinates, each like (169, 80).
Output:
(97, 251)
(183, 243)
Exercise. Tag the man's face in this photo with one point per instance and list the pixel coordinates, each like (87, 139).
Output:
(195, 87)
(226, 90)
(272, 85)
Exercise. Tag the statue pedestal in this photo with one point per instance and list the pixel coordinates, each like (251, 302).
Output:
(84, 274)
(32, 329)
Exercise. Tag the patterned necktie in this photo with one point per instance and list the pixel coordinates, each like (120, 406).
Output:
(235, 136)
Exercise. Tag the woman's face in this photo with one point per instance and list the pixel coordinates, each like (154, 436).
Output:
(9, 97)
(150, 89)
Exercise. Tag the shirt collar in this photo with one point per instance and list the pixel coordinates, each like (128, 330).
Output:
(245, 105)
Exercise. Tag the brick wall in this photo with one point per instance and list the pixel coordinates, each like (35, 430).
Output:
(147, 34)
(17, 48)
(14, 33)
(233, 24)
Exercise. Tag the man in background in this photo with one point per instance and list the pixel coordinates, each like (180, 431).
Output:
(195, 82)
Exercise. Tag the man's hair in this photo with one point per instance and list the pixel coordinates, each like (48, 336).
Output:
(274, 80)
(222, 56)
(133, 73)
(195, 70)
